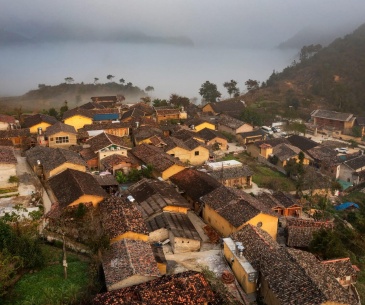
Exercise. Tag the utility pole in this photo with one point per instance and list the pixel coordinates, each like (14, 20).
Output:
(64, 262)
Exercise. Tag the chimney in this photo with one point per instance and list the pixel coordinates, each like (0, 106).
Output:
(39, 130)
(137, 124)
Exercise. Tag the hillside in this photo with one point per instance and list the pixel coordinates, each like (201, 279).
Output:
(46, 97)
(333, 78)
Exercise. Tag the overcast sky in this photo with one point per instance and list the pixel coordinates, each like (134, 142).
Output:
(236, 22)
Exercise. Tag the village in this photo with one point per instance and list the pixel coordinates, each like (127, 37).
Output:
(167, 198)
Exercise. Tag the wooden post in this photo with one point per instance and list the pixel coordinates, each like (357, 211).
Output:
(64, 262)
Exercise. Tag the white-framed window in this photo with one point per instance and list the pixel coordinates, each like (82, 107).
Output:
(60, 140)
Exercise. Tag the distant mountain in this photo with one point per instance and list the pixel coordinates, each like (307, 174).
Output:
(332, 78)
(34, 34)
(316, 35)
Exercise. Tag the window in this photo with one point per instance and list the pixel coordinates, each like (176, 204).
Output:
(196, 153)
(51, 139)
(259, 224)
(62, 140)
(172, 155)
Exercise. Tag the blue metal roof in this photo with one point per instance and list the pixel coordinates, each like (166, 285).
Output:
(106, 116)
(346, 205)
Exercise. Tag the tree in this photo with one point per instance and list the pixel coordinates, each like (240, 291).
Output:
(158, 103)
(296, 127)
(149, 88)
(122, 81)
(209, 92)
(95, 80)
(110, 77)
(252, 117)
(252, 85)
(231, 88)
(64, 108)
(53, 112)
(179, 101)
(146, 99)
(129, 84)
(69, 80)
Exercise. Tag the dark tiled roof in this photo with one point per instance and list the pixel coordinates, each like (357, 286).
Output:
(184, 288)
(106, 98)
(302, 142)
(183, 134)
(285, 199)
(323, 153)
(230, 107)
(112, 160)
(143, 121)
(106, 180)
(288, 277)
(284, 151)
(105, 126)
(360, 121)
(88, 154)
(179, 224)
(194, 183)
(172, 142)
(60, 127)
(197, 122)
(104, 139)
(51, 158)
(230, 122)
(270, 201)
(208, 134)
(133, 113)
(143, 107)
(272, 142)
(126, 258)
(146, 132)
(167, 111)
(70, 185)
(39, 118)
(78, 111)
(332, 115)
(340, 267)
(91, 106)
(7, 155)
(254, 133)
(121, 216)
(14, 133)
(154, 156)
(356, 163)
(219, 197)
(232, 173)
(325, 281)
(153, 196)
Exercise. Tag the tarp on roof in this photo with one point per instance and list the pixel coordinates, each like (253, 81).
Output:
(106, 116)
(346, 205)
(345, 185)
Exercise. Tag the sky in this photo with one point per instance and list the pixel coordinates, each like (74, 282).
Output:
(210, 24)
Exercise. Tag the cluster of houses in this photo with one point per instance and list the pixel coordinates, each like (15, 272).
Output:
(77, 161)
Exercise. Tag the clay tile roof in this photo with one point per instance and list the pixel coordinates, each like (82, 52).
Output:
(234, 108)
(106, 98)
(121, 216)
(7, 119)
(152, 196)
(167, 111)
(52, 158)
(105, 126)
(360, 121)
(195, 184)
(106, 180)
(146, 132)
(209, 134)
(14, 133)
(184, 134)
(186, 288)
(60, 127)
(112, 160)
(132, 113)
(88, 154)
(104, 139)
(269, 201)
(230, 122)
(332, 115)
(248, 134)
(219, 197)
(7, 155)
(232, 173)
(154, 156)
(340, 267)
(302, 142)
(143, 107)
(356, 163)
(272, 142)
(126, 258)
(294, 277)
(284, 151)
(6, 142)
(197, 121)
(78, 111)
(91, 106)
(70, 185)
(39, 118)
(285, 199)
(322, 153)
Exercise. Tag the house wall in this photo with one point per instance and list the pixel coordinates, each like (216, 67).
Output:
(175, 209)
(223, 143)
(158, 235)
(93, 163)
(7, 170)
(105, 153)
(87, 198)
(269, 297)
(243, 128)
(208, 108)
(189, 156)
(204, 125)
(253, 150)
(43, 125)
(131, 281)
(340, 125)
(172, 170)
(130, 235)
(238, 270)
(161, 118)
(63, 167)
(78, 121)
(72, 140)
(120, 132)
(242, 181)
(269, 223)
(346, 173)
(183, 245)
(4, 125)
(162, 268)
